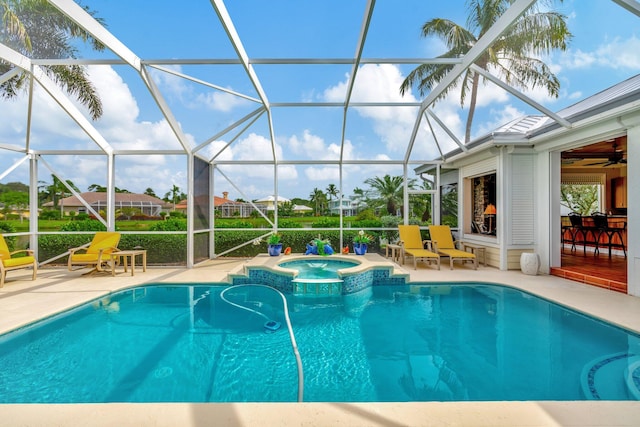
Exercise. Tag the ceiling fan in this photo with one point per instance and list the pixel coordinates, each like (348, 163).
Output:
(616, 157)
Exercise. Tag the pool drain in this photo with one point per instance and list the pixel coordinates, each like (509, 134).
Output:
(163, 372)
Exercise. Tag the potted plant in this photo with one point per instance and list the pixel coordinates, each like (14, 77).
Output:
(274, 245)
(361, 242)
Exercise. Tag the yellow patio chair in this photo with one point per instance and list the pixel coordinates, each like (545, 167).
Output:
(98, 254)
(444, 245)
(412, 244)
(9, 262)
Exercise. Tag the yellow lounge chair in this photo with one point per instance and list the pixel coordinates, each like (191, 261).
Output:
(9, 262)
(443, 244)
(412, 244)
(98, 253)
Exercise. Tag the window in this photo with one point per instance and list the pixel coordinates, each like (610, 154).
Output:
(582, 193)
(449, 205)
(483, 203)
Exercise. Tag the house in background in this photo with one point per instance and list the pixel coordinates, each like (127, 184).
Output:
(224, 207)
(508, 182)
(267, 204)
(145, 204)
(346, 205)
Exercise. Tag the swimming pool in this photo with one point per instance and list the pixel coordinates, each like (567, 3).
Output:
(385, 343)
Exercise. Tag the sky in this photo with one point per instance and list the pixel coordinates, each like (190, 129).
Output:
(604, 50)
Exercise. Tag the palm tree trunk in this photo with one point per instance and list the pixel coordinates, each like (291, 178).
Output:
(472, 107)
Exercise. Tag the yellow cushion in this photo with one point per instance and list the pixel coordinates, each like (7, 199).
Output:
(410, 236)
(422, 253)
(4, 249)
(14, 262)
(103, 240)
(441, 234)
(84, 258)
(456, 253)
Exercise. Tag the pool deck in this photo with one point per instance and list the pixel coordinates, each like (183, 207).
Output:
(23, 301)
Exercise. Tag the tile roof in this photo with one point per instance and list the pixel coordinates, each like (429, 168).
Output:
(93, 197)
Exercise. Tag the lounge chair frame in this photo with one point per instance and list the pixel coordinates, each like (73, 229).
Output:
(15, 263)
(442, 242)
(95, 254)
(409, 246)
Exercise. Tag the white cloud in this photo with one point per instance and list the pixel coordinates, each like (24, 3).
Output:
(620, 54)
(311, 146)
(217, 101)
(380, 83)
(616, 54)
(120, 126)
(191, 95)
(327, 173)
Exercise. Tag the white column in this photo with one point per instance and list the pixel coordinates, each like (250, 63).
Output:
(33, 204)
(190, 210)
(633, 210)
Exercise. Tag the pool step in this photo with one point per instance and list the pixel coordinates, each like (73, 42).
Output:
(612, 377)
(317, 287)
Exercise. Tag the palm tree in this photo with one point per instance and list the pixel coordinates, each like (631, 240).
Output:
(514, 55)
(390, 191)
(173, 195)
(318, 198)
(332, 191)
(421, 203)
(38, 30)
(56, 191)
(149, 192)
(358, 197)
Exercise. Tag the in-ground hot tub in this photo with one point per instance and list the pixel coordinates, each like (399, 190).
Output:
(318, 276)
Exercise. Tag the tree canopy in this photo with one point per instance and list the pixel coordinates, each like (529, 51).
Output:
(513, 57)
(36, 29)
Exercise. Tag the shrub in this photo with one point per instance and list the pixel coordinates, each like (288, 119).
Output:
(86, 225)
(390, 221)
(287, 223)
(367, 214)
(326, 223)
(49, 214)
(171, 224)
(234, 224)
(5, 227)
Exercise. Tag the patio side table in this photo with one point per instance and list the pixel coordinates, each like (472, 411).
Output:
(129, 257)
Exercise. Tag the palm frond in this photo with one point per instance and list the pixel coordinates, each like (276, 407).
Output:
(76, 82)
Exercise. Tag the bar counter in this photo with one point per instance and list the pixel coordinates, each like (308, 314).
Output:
(589, 235)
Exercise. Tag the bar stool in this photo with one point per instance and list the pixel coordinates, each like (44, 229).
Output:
(602, 227)
(577, 228)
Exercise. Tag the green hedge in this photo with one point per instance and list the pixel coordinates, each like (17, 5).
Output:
(296, 240)
(161, 249)
(5, 227)
(172, 249)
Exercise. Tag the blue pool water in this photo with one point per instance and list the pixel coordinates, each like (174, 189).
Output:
(315, 268)
(400, 343)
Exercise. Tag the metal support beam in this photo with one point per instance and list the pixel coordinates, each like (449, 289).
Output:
(33, 204)
(521, 96)
(514, 12)
(80, 16)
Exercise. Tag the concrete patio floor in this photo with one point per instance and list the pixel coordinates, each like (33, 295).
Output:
(23, 301)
